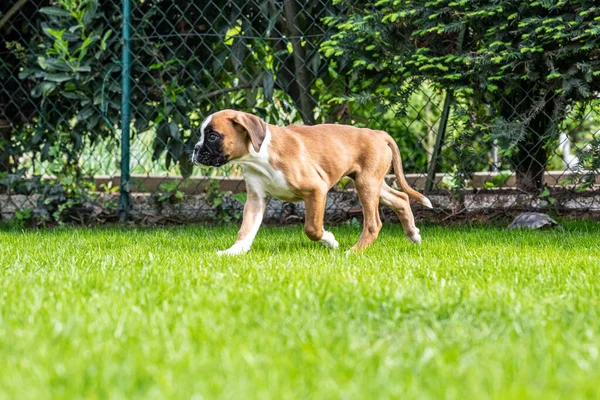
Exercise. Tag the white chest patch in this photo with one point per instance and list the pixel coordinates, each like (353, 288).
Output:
(261, 176)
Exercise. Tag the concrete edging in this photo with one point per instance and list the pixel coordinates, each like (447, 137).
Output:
(197, 185)
(341, 205)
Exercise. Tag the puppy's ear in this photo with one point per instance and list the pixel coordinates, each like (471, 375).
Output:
(255, 127)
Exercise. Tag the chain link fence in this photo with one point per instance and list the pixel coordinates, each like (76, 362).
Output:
(98, 122)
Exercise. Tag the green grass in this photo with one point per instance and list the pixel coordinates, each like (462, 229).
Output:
(153, 313)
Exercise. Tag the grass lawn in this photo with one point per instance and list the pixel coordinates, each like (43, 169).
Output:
(472, 313)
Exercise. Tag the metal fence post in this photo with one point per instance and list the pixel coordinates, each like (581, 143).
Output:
(439, 142)
(125, 110)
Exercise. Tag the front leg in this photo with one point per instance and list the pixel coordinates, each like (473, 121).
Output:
(254, 210)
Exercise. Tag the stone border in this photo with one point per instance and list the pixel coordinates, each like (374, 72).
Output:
(341, 206)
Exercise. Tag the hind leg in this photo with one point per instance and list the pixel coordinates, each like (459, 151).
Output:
(368, 194)
(313, 225)
(400, 203)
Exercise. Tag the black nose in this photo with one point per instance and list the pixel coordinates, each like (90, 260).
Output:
(197, 148)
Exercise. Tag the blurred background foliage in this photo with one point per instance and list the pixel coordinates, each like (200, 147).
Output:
(519, 74)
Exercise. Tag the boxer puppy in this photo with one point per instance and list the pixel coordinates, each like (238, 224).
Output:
(301, 163)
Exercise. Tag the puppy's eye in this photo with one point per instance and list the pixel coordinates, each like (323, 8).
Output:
(212, 137)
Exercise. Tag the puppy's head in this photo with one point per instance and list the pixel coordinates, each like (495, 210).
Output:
(226, 136)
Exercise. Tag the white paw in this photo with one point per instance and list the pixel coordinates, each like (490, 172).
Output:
(328, 240)
(415, 237)
(235, 250)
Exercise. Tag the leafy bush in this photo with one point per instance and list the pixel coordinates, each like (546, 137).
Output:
(527, 61)
(76, 79)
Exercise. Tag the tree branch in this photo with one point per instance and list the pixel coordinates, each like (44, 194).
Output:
(11, 12)
(219, 92)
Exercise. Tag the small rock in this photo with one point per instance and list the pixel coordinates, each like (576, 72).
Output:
(533, 220)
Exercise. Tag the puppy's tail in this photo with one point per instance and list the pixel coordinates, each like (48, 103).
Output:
(399, 172)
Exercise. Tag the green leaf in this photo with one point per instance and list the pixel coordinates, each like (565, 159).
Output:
(141, 124)
(27, 72)
(86, 113)
(90, 11)
(186, 167)
(268, 85)
(93, 122)
(70, 37)
(174, 130)
(58, 77)
(56, 34)
(88, 40)
(231, 34)
(238, 54)
(176, 149)
(75, 28)
(72, 95)
(42, 62)
(61, 47)
(43, 89)
(55, 64)
(160, 141)
(55, 12)
(105, 38)
(241, 197)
